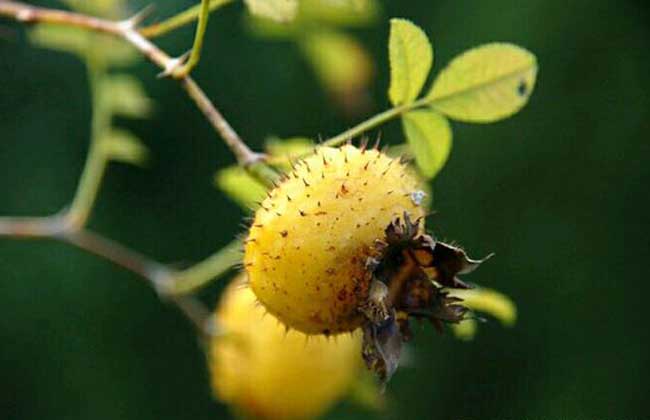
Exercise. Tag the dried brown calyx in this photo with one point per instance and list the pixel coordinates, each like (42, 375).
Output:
(410, 273)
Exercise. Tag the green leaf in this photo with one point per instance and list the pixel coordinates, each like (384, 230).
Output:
(126, 96)
(102, 8)
(123, 146)
(82, 43)
(485, 84)
(429, 137)
(316, 15)
(240, 186)
(411, 57)
(290, 147)
(278, 10)
(60, 38)
(339, 12)
(271, 30)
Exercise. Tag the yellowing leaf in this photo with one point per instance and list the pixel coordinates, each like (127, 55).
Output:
(429, 137)
(240, 186)
(340, 62)
(411, 57)
(487, 301)
(490, 302)
(122, 146)
(126, 96)
(485, 84)
(278, 10)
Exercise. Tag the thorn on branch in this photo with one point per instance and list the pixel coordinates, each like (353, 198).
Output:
(173, 64)
(134, 21)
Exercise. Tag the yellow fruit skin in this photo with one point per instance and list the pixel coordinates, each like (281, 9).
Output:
(265, 372)
(309, 242)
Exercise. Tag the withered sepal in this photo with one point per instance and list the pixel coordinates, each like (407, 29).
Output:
(410, 273)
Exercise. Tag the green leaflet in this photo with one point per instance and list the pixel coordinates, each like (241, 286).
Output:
(247, 191)
(340, 62)
(411, 57)
(126, 96)
(429, 137)
(104, 8)
(80, 43)
(240, 186)
(316, 15)
(123, 146)
(285, 150)
(278, 10)
(339, 12)
(485, 84)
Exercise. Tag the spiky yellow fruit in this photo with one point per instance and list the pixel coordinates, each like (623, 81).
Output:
(259, 368)
(310, 240)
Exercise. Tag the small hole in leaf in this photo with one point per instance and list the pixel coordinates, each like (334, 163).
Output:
(522, 89)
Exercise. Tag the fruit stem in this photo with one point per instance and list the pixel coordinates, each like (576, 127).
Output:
(195, 55)
(181, 19)
(375, 121)
(202, 273)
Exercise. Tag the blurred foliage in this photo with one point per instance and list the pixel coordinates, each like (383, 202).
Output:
(343, 66)
(82, 339)
(80, 42)
(278, 10)
(114, 95)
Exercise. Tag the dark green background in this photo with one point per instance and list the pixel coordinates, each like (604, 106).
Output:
(559, 193)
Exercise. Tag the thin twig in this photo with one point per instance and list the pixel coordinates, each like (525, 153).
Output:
(197, 46)
(158, 275)
(127, 30)
(181, 19)
(69, 227)
(119, 255)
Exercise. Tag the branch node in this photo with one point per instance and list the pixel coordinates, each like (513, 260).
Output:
(173, 64)
(25, 15)
(252, 158)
